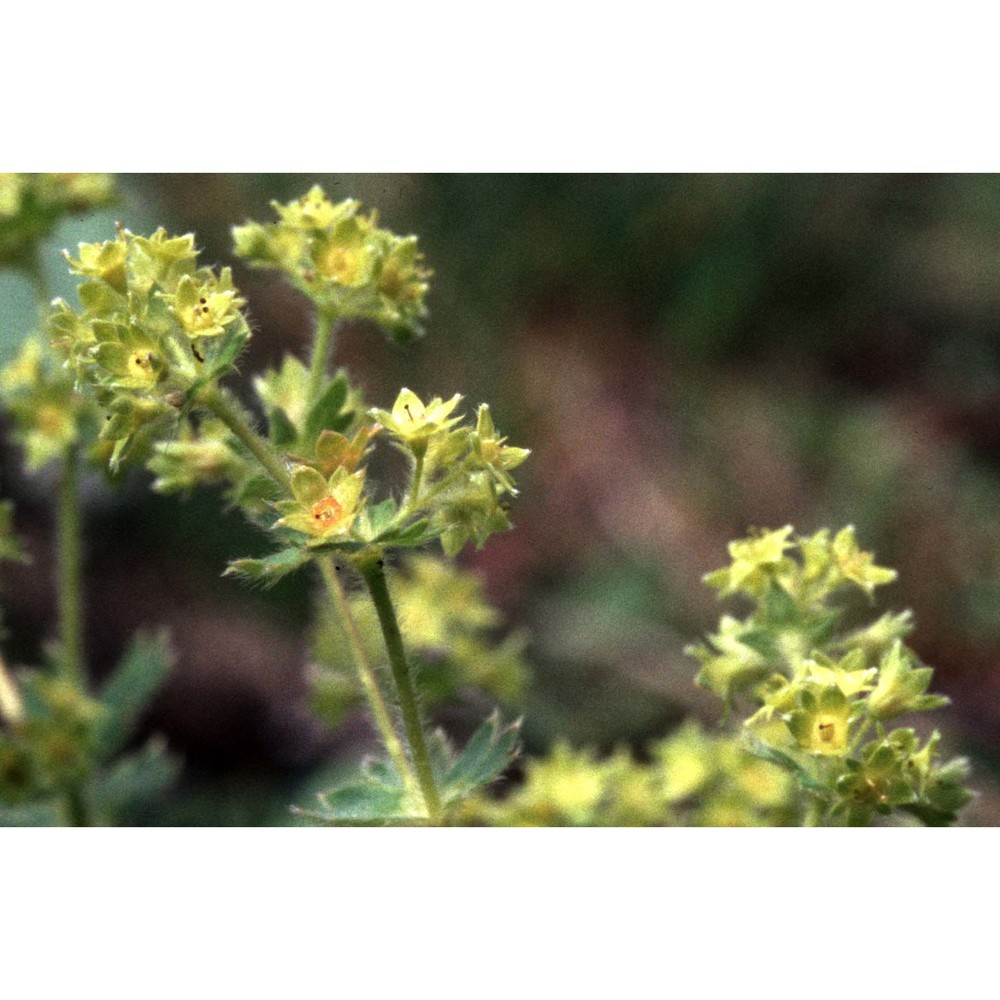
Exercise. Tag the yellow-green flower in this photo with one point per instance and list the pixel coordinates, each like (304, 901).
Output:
(755, 561)
(102, 262)
(334, 450)
(323, 508)
(130, 356)
(205, 308)
(344, 255)
(858, 566)
(491, 450)
(902, 686)
(820, 723)
(413, 423)
(314, 210)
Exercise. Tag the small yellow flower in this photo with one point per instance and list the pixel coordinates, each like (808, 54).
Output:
(858, 566)
(322, 508)
(413, 422)
(205, 308)
(102, 261)
(821, 722)
(755, 560)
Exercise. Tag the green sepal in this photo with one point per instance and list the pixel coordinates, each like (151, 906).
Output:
(271, 568)
(492, 748)
(126, 694)
(764, 751)
(220, 353)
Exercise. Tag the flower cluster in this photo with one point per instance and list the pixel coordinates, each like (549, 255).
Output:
(461, 473)
(31, 204)
(690, 779)
(343, 261)
(48, 415)
(152, 329)
(823, 695)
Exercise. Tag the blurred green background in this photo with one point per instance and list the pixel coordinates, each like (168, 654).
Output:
(687, 356)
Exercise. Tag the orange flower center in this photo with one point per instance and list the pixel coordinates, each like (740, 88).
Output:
(327, 511)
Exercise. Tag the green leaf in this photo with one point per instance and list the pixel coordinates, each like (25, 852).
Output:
(491, 749)
(417, 533)
(280, 429)
(271, 568)
(325, 412)
(128, 691)
(133, 780)
(380, 516)
(368, 802)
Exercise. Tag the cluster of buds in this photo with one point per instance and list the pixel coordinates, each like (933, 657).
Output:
(153, 328)
(823, 695)
(343, 261)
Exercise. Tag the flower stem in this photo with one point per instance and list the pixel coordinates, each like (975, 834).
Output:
(222, 405)
(322, 348)
(366, 675)
(217, 402)
(415, 485)
(374, 576)
(69, 582)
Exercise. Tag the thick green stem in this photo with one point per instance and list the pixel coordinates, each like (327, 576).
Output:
(372, 572)
(366, 675)
(69, 582)
(222, 405)
(322, 349)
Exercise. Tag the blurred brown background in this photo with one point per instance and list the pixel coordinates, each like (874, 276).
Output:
(687, 356)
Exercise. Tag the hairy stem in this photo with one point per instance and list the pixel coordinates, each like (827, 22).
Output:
(322, 349)
(366, 675)
(374, 577)
(231, 414)
(221, 404)
(415, 486)
(69, 583)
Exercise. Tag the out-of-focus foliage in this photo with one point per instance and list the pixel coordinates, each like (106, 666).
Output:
(64, 754)
(32, 204)
(691, 779)
(451, 632)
